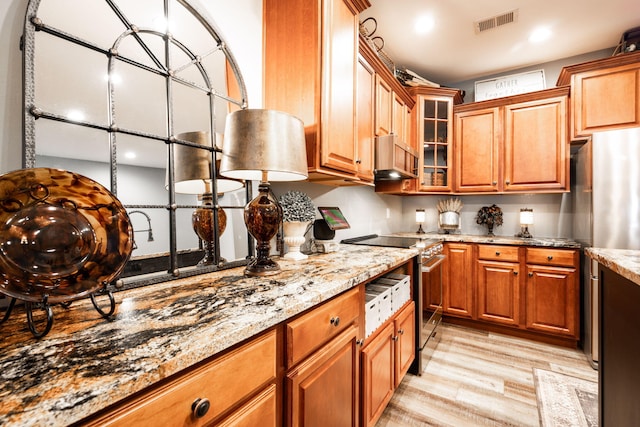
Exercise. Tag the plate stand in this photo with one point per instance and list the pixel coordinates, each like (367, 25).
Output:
(44, 305)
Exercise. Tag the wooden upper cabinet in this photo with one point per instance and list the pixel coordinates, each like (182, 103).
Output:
(310, 57)
(478, 143)
(364, 120)
(514, 144)
(383, 116)
(536, 145)
(400, 119)
(605, 94)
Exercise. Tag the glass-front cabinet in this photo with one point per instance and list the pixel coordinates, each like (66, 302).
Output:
(434, 120)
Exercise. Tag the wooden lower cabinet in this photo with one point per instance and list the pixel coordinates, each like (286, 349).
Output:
(499, 292)
(458, 280)
(231, 390)
(386, 358)
(323, 390)
(552, 300)
(532, 292)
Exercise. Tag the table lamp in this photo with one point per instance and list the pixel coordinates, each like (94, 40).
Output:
(264, 145)
(193, 176)
(420, 218)
(526, 219)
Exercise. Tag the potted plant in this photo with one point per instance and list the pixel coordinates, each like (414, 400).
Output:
(491, 216)
(298, 212)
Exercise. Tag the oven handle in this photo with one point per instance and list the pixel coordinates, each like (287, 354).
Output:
(428, 269)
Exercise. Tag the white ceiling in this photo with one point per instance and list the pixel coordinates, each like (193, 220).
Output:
(453, 52)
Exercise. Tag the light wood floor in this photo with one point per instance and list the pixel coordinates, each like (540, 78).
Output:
(477, 378)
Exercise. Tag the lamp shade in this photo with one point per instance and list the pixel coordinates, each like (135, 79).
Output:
(420, 215)
(526, 216)
(193, 166)
(268, 141)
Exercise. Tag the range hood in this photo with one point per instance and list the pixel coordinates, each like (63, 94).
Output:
(394, 159)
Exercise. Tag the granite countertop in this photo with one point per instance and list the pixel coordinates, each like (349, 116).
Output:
(86, 363)
(625, 262)
(500, 240)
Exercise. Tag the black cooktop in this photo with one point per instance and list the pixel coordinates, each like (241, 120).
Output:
(388, 241)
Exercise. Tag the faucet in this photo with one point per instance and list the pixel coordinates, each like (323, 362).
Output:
(149, 230)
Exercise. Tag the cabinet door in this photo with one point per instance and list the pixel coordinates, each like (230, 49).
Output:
(499, 292)
(323, 390)
(340, 35)
(399, 119)
(478, 137)
(405, 342)
(378, 374)
(435, 141)
(552, 300)
(605, 99)
(384, 96)
(458, 280)
(364, 114)
(536, 145)
(260, 410)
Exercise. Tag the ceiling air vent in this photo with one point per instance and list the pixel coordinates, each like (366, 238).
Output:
(496, 21)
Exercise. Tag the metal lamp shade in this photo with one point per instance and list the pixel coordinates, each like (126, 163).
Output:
(193, 167)
(264, 145)
(268, 141)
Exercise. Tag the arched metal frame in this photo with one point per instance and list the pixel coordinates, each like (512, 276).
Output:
(31, 111)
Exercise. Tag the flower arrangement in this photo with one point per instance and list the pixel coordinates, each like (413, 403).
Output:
(297, 206)
(490, 215)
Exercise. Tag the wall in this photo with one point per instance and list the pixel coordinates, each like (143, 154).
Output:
(551, 72)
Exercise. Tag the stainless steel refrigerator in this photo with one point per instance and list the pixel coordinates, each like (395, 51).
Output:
(606, 211)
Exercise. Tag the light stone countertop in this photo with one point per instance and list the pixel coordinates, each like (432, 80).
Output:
(86, 363)
(625, 262)
(548, 242)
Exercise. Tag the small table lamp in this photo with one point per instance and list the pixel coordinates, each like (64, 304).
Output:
(263, 145)
(193, 176)
(526, 219)
(420, 218)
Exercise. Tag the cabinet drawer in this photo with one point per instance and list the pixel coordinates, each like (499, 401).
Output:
(225, 381)
(498, 253)
(551, 257)
(311, 330)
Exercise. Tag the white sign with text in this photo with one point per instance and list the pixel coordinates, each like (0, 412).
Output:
(509, 85)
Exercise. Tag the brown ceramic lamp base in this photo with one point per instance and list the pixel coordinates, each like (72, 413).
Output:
(263, 216)
(202, 221)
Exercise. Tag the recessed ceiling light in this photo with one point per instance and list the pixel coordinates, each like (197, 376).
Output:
(424, 24)
(540, 34)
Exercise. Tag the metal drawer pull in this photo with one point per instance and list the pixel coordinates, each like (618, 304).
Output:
(400, 331)
(335, 321)
(549, 257)
(200, 407)
(394, 338)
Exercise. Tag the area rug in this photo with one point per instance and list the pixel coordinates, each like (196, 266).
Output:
(564, 400)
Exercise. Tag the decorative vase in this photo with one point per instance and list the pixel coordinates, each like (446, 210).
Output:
(490, 227)
(294, 237)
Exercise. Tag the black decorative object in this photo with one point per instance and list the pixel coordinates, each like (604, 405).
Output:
(491, 216)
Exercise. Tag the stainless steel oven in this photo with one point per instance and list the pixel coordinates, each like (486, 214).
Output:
(427, 289)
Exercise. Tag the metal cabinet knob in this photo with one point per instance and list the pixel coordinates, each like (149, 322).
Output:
(507, 182)
(497, 253)
(550, 257)
(530, 274)
(400, 331)
(200, 407)
(358, 161)
(335, 321)
(494, 183)
(360, 342)
(394, 338)
(515, 273)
